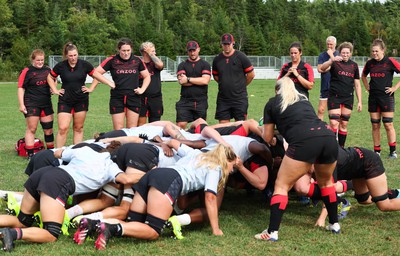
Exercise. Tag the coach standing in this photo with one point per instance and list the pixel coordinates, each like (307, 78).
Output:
(194, 74)
(233, 71)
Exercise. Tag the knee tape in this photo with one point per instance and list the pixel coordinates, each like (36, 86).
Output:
(47, 125)
(49, 138)
(26, 219)
(345, 117)
(380, 198)
(155, 223)
(362, 197)
(128, 195)
(375, 121)
(135, 216)
(54, 228)
(334, 117)
(110, 191)
(387, 119)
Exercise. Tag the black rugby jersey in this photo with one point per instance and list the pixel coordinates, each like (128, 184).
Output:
(231, 72)
(381, 73)
(125, 73)
(73, 78)
(194, 69)
(342, 77)
(37, 90)
(304, 70)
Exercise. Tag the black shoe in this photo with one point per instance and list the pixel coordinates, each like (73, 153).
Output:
(6, 239)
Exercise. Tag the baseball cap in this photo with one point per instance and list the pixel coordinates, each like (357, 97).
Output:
(227, 39)
(192, 45)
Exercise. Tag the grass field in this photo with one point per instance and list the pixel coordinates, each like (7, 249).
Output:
(366, 230)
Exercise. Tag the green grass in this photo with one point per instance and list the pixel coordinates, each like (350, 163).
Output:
(366, 230)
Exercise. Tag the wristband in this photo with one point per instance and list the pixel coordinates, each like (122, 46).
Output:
(188, 79)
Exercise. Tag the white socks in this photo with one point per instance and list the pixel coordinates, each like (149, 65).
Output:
(184, 219)
(74, 211)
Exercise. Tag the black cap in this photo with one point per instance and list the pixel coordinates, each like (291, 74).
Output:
(227, 39)
(192, 45)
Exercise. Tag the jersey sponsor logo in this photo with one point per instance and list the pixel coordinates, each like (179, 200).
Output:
(345, 73)
(41, 82)
(125, 71)
(377, 75)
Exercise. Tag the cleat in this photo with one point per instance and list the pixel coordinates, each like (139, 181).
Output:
(343, 209)
(13, 206)
(6, 239)
(65, 224)
(173, 222)
(104, 235)
(75, 221)
(334, 228)
(38, 219)
(86, 228)
(393, 155)
(273, 236)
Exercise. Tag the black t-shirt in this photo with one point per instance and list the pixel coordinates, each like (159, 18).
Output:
(304, 70)
(154, 88)
(342, 78)
(125, 73)
(73, 78)
(381, 73)
(297, 122)
(231, 72)
(37, 90)
(194, 69)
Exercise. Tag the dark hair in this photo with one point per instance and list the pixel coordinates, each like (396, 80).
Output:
(345, 45)
(296, 45)
(114, 145)
(124, 41)
(68, 47)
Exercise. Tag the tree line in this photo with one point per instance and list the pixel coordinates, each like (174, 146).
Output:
(260, 27)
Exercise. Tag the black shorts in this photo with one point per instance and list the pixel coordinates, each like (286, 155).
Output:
(119, 103)
(166, 180)
(151, 107)
(384, 103)
(371, 166)
(39, 111)
(73, 107)
(337, 102)
(228, 109)
(190, 110)
(53, 181)
(318, 150)
(143, 157)
(41, 159)
(232, 130)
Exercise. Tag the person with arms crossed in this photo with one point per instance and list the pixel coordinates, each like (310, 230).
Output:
(234, 72)
(194, 74)
(151, 100)
(325, 76)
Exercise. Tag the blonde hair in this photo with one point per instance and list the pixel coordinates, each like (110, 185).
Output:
(285, 88)
(219, 156)
(146, 44)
